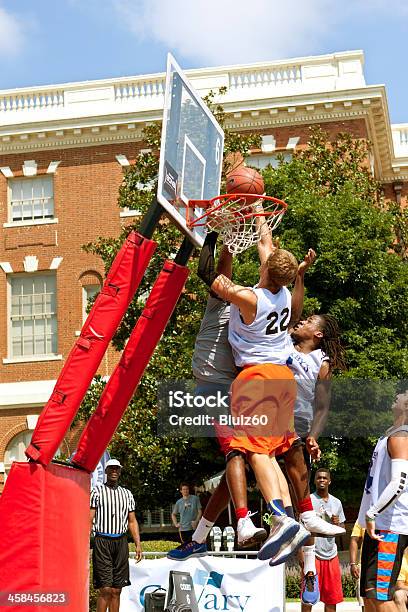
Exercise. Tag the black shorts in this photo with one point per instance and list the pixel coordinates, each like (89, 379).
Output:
(381, 564)
(110, 557)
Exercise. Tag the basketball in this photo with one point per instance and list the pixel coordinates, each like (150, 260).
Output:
(245, 180)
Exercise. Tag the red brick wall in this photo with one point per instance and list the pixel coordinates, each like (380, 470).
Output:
(85, 195)
(356, 127)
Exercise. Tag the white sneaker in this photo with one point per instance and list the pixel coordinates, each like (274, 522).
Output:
(289, 549)
(283, 529)
(248, 534)
(315, 524)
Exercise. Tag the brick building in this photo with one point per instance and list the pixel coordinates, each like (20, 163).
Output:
(62, 153)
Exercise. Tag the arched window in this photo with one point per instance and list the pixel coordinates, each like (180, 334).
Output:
(91, 282)
(15, 449)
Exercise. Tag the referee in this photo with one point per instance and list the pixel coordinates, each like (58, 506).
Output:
(112, 514)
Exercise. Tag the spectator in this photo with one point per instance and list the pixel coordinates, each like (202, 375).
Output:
(384, 509)
(356, 541)
(401, 590)
(327, 561)
(112, 515)
(188, 508)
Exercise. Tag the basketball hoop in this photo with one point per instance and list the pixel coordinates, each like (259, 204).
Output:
(240, 218)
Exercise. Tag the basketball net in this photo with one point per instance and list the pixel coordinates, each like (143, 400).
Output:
(240, 219)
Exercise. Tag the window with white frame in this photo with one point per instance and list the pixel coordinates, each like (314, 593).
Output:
(265, 159)
(16, 447)
(31, 199)
(88, 292)
(33, 315)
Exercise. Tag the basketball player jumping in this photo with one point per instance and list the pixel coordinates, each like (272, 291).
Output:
(220, 498)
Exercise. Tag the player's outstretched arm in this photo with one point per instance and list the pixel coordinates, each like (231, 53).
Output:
(223, 286)
(224, 264)
(206, 264)
(242, 297)
(298, 293)
(265, 242)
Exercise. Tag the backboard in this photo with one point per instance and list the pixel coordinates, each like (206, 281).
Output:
(192, 145)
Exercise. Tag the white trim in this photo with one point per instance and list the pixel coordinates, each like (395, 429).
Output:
(36, 222)
(268, 144)
(56, 262)
(30, 263)
(32, 393)
(6, 171)
(32, 420)
(122, 160)
(53, 166)
(2, 468)
(189, 144)
(29, 166)
(32, 359)
(6, 267)
(130, 213)
(292, 142)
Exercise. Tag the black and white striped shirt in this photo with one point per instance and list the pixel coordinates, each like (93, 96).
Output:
(112, 505)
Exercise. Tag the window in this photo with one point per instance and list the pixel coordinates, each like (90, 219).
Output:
(263, 160)
(33, 319)
(88, 292)
(16, 447)
(31, 199)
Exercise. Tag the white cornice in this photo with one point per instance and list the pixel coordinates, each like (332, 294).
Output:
(25, 394)
(260, 96)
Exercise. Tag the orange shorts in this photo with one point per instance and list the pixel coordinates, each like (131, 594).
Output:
(263, 400)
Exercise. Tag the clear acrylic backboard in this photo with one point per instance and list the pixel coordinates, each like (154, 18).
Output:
(192, 145)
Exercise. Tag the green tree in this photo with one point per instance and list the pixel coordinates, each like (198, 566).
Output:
(360, 277)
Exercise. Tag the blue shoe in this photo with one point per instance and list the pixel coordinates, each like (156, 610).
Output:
(187, 550)
(289, 548)
(310, 589)
(283, 529)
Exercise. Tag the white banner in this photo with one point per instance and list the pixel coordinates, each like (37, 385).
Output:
(220, 583)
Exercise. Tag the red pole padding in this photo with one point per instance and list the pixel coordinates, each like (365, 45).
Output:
(127, 374)
(44, 546)
(110, 305)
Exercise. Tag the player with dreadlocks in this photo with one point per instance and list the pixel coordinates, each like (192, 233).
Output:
(316, 354)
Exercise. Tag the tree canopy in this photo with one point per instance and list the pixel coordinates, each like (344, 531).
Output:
(360, 277)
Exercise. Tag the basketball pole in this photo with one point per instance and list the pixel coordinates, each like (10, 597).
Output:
(149, 223)
(151, 219)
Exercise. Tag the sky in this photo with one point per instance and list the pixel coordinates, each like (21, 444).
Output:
(58, 41)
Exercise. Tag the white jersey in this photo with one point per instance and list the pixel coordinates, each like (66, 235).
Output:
(395, 517)
(266, 339)
(305, 368)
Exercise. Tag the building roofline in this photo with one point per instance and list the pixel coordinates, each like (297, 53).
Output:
(193, 72)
